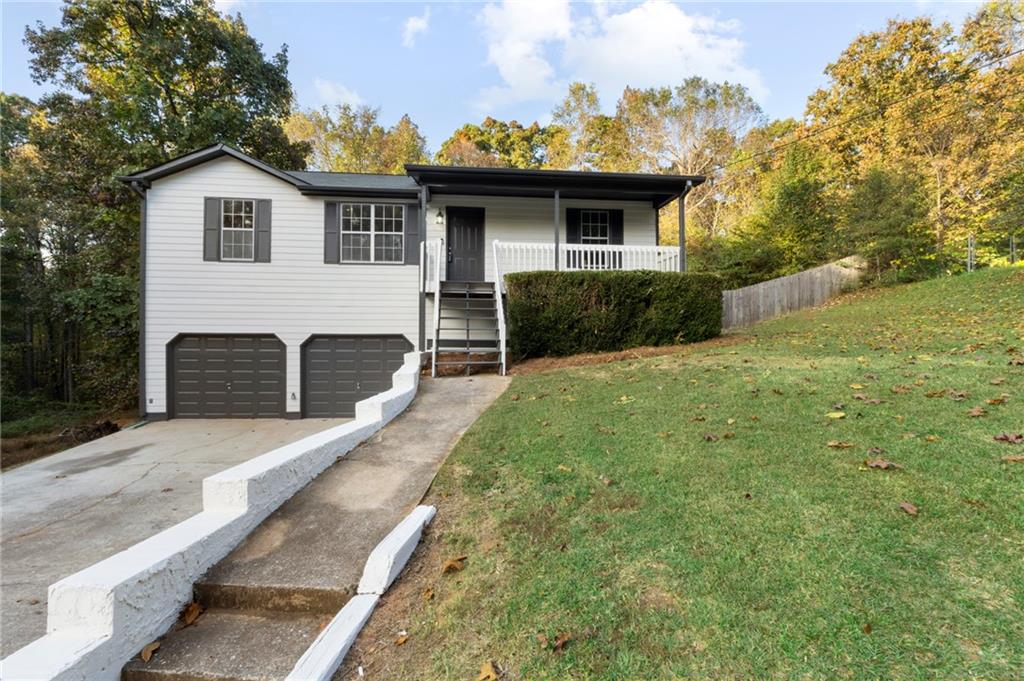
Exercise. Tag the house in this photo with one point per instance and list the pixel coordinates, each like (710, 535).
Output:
(268, 293)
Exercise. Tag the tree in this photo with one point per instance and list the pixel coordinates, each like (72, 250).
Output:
(582, 138)
(496, 143)
(886, 215)
(692, 129)
(351, 139)
(134, 84)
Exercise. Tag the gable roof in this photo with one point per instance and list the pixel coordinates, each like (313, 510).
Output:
(192, 159)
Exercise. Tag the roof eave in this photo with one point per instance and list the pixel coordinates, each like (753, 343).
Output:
(200, 156)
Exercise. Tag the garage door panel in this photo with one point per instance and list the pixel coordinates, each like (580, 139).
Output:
(228, 377)
(338, 371)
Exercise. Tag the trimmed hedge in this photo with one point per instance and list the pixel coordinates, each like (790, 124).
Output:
(565, 313)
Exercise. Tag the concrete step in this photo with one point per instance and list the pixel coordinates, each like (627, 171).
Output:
(230, 646)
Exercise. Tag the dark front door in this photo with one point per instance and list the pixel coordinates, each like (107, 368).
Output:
(465, 244)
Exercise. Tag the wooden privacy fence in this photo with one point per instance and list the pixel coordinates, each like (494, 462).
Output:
(743, 306)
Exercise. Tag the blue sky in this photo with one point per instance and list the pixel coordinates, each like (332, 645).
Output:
(446, 64)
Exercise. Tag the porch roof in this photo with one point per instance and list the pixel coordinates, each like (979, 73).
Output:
(658, 189)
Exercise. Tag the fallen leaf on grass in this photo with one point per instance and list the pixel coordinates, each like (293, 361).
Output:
(1016, 458)
(881, 463)
(606, 481)
(996, 401)
(839, 444)
(908, 507)
(958, 395)
(931, 438)
(606, 430)
(561, 641)
(997, 381)
(710, 437)
(428, 594)
(453, 564)
(563, 468)
(147, 652)
(191, 613)
(975, 412)
(514, 398)
(401, 639)
(856, 386)
(665, 434)
(836, 414)
(900, 389)
(1010, 438)
(487, 672)
(625, 399)
(866, 628)
(935, 393)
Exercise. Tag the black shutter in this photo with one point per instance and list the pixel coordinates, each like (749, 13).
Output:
(332, 234)
(211, 228)
(412, 234)
(615, 227)
(572, 226)
(262, 248)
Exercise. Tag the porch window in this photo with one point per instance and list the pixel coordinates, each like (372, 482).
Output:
(237, 220)
(372, 232)
(595, 226)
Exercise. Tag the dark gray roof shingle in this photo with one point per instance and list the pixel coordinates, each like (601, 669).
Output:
(356, 181)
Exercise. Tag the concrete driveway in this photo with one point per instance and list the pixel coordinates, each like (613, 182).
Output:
(64, 512)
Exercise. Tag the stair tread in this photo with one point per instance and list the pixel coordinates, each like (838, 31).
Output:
(230, 645)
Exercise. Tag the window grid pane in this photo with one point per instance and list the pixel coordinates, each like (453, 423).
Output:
(372, 232)
(237, 223)
(594, 226)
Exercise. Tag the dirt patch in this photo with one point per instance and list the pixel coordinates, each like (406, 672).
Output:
(543, 364)
(19, 450)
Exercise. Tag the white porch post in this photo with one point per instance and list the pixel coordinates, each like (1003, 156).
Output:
(557, 220)
(682, 226)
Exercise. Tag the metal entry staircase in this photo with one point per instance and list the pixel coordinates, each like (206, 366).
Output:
(467, 330)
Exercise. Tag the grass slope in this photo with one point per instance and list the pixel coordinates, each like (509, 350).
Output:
(589, 502)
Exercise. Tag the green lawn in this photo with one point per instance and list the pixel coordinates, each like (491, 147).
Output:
(685, 516)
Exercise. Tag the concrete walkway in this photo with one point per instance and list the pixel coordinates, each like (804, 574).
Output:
(66, 511)
(266, 601)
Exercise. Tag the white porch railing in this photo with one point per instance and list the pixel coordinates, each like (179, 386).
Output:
(499, 301)
(434, 252)
(433, 264)
(518, 256)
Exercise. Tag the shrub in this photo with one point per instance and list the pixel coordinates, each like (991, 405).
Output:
(564, 313)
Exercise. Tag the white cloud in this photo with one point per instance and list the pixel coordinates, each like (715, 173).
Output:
(649, 44)
(414, 26)
(516, 34)
(657, 43)
(330, 92)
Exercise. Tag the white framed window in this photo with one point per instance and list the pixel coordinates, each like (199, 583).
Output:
(595, 226)
(237, 229)
(372, 232)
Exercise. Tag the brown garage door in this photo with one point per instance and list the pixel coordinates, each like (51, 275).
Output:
(338, 371)
(227, 377)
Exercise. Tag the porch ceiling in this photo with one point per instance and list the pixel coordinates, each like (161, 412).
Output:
(657, 189)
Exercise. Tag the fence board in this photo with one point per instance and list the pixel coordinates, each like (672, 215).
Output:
(775, 297)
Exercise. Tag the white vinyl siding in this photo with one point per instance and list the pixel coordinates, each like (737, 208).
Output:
(508, 218)
(293, 297)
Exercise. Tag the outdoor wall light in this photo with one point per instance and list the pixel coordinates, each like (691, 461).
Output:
(439, 218)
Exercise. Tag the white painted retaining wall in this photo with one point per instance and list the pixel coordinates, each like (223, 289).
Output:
(102, 616)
